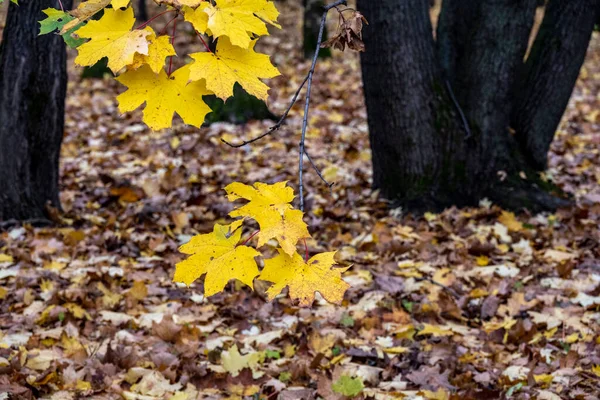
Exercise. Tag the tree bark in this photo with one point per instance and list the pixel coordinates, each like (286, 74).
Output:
(33, 81)
(409, 122)
(416, 90)
(482, 44)
(547, 79)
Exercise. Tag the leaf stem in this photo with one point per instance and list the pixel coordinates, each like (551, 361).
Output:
(172, 41)
(153, 18)
(305, 250)
(164, 29)
(203, 42)
(251, 236)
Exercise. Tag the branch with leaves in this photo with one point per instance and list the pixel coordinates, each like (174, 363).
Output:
(349, 33)
(142, 60)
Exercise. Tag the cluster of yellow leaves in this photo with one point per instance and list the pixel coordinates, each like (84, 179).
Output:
(138, 55)
(220, 257)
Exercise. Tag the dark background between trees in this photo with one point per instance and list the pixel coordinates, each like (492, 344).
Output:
(454, 116)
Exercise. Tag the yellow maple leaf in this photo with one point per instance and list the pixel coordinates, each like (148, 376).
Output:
(305, 278)
(196, 16)
(234, 362)
(158, 50)
(216, 255)
(236, 19)
(85, 11)
(270, 206)
(164, 95)
(111, 36)
(230, 64)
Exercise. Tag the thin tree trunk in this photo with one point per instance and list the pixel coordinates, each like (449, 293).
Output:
(33, 84)
(547, 78)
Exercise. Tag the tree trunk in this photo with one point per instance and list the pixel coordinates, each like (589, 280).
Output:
(423, 157)
(313, 11)
(547, 79)
(33, 81)
(403, 91)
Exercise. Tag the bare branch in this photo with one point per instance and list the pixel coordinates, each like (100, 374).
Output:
(274, 127)
(317, 170)
(307, 103)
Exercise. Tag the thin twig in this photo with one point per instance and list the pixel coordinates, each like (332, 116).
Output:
(459, 109)
(309, 78)
(307, 103)
(333, 5)
(317, 170)
(164, 29)
(274, 127)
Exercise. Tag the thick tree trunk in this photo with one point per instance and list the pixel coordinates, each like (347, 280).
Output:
(409, 120)
(547, 78)
(33, 84)
(313, 11)
(482, 44)
(422, 157)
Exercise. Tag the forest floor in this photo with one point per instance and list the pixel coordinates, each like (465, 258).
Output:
(470, 303)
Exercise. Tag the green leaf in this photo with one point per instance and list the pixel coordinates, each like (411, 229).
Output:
(285, 376)
(347, 321)
(348, 386)
(274, 354)
(55, 20)
(72, 41)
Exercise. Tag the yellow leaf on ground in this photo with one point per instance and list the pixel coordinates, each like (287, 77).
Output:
(83, 385)
(435, 331)
(158, 50)
(164, 95)
(270, 206)
(111, 36)
(234, 362)
(77, 311)
(239, 19)
(5, 258)
(216, 255)
(138, 290)
(305, 278)
(230, 64)
(509, 220)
